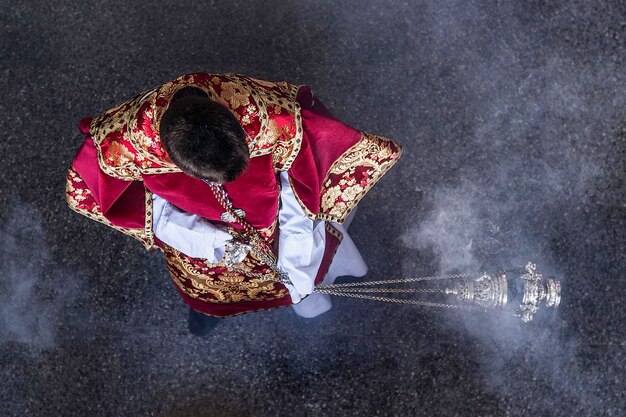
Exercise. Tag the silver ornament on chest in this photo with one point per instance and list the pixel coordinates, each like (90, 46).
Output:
(228, 217)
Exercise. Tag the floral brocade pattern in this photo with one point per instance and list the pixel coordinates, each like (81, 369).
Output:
(354, 174)
(127, 136)
(81, 200)
(216, 283)
(117, 154)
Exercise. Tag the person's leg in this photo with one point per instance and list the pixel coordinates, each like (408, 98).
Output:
(313, 305)
(347, 262)
(201, 324)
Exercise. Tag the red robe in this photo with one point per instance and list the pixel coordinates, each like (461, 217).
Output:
(330, 165)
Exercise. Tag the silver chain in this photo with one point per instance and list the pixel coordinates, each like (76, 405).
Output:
(388, 290)
(323, 290)
(218, 187)
(351, 289)
(271, 262)
(399, 281)
(264, 257)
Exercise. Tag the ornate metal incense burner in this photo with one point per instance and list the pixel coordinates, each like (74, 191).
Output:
(472, 291)
(537, 289)
(486, 290)
(492, 291)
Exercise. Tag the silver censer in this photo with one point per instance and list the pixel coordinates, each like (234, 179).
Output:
(498, 291)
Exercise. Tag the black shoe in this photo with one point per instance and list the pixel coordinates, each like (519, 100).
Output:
(201, 324)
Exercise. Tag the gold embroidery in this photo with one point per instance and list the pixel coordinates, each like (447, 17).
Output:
(273, 132)
(354, 174)
(230, 277)
(294, 143)
(306, 210)
(112, 126)
(334, 231)
(234, 95)
(246, 97)
(80, 199)
(264, 83)
(118, 154)
(148, 237)
(275, 99)
(214, 283)
(330, 197)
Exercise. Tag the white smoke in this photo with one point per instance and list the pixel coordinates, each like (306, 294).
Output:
(537, 151)
(34, 290)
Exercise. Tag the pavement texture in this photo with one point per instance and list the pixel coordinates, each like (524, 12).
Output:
(512, 117)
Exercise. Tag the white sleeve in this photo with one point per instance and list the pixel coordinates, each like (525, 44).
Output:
(189, 233)
(301, 243)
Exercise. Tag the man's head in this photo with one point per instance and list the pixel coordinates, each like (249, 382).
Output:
(203, 138)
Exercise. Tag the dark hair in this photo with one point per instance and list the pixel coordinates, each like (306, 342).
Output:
(203, 138)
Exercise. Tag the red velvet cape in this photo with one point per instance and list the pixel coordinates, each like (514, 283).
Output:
(330, 166)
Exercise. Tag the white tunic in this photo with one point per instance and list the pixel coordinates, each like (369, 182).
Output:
(301, 246)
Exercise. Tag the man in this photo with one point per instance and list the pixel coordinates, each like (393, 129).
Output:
(245, 185)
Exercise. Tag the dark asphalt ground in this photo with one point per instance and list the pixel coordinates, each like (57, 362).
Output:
(512, 116)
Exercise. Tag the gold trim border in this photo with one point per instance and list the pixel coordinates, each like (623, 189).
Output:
(377, 175)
